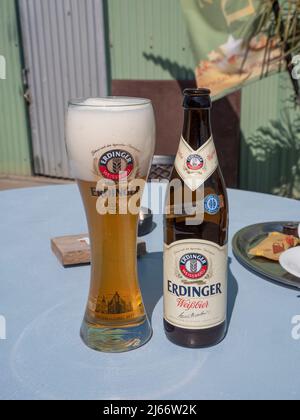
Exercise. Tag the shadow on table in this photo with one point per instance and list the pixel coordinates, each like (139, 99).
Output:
(151, 280)
(233, 291)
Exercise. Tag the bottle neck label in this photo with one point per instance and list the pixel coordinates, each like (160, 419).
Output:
(195, 167)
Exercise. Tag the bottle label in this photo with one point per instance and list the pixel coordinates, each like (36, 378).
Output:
(195, 284)
(195, 167)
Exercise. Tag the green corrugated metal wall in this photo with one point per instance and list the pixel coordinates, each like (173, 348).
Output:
(270, 125)
(259, 105)
(14, 140)
(149, 40)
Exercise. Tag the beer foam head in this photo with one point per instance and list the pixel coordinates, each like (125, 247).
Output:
(97, 124)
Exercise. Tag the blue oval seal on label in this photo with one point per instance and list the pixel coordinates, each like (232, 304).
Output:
(212, 204)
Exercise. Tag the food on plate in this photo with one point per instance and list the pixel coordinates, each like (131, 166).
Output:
(274, 245)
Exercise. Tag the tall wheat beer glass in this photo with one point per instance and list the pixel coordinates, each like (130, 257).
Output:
(110, 143)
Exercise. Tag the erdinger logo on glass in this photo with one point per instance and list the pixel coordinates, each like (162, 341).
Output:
(193, 266)
(116, 164)
(195, 162)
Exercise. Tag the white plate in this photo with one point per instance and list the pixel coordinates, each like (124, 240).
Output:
(290, 261)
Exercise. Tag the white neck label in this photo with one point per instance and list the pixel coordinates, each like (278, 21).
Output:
(195, 167)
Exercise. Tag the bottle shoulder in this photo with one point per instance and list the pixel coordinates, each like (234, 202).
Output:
(202, 214)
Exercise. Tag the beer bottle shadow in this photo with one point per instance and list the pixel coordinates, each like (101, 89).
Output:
(151, 280)
(233, 291)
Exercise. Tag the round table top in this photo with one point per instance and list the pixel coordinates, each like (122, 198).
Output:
(43, 303)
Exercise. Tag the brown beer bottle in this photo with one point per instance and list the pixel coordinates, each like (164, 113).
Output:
(196, 234)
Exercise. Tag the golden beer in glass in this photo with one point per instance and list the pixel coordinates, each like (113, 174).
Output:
(110, 144)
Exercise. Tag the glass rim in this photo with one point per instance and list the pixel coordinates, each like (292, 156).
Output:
(108, 102)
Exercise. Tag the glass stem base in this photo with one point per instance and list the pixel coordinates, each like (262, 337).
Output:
(115, 340)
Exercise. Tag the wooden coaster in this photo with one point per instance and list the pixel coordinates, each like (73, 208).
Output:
(75, 250)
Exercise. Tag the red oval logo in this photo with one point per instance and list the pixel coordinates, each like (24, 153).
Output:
(195, 162)
(193, 266)
(116, 165)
